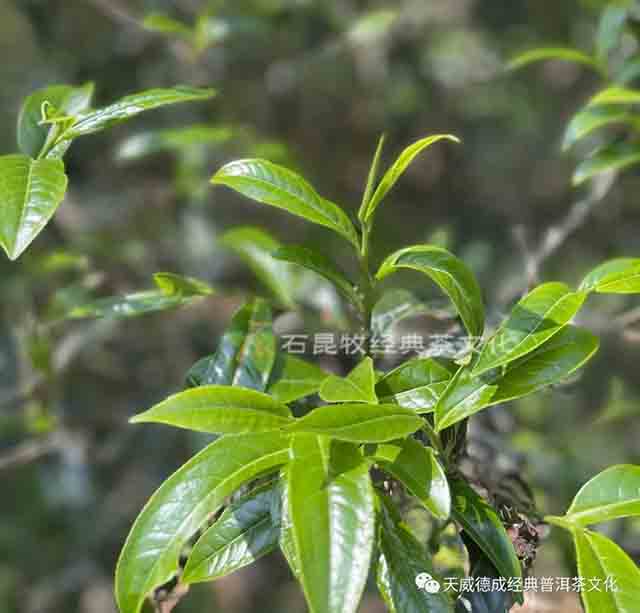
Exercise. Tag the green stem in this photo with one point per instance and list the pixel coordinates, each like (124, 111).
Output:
(367, 285)
(434, 439)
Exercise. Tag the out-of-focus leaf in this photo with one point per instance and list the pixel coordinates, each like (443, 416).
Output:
(277, 186)
(610, 30)
(591, 118)
(402, 558)
(130, 106)
(322, 265)
(359, 423)
(162, 23)
(245, 532)
(178, 285)
(220, 409)
(331, 506)
(617, 276)
(417, 384)
(357, 386)
(372, 25)
(256, 247)
(449, 273)
(181, 506)
(293, 378)
(65, 99)
(564, 54)
(612, 494)
(397, 169)
(629, 71)
(182, 139)
(483, 526)
(30, 192)
(246, 353)
(616, 95)
(612, 157)
(372, 178)
(600, 561)
(394, 306)
(417, 467)
(543, 312)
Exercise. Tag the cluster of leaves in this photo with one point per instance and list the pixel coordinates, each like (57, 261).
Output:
(33, 182)
(310, 477)
(616, 62)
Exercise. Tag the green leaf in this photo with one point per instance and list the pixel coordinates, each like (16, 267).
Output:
(394, 306)
(174, 290)
(159, 22)
(402, 558)
(287, 542)
(549, 364)
(293, 378)
(219, 409)
(612, 157)
(610, 30)
(564, 54)
(322, 265)
(30, 192)
(277, 186)
(617, 276)
(417, 467)
(417, 384)
(331, 505)
(449, 273)
(246, 353)
(483, 526)
(616, 95)
(182, 505)
(359, 423)
(357, 386)
(67, 100)
(598, 559)
(543, 312)
(242, 534)
(256, 247)
(371, 179)
(397, 170)
(592, 118)
(612, 494)
(130, 106)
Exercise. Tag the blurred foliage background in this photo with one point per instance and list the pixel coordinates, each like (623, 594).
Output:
(311, 84)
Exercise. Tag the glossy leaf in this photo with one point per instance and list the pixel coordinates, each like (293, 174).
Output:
(322, 265)
(465, 395)
(402, 558)
(398, 168)
(394, 306)
(277, 186)
(449, 273)
(613, 157)
(372, 178)
(617, 276)
(181, 506)
(612, 494)
(417, 467)
(543, 312)
(483, 526)
(256, 247)
(359, 423)
(219, 409)
(65, 99)
(357, 386)
(417, 384)
(600, 559)
(616, 95)
(244, 532)
(542, 54)
(246, 353)
(331, 505)
(130, 106)
(591, 118)
(30, 192)
(293, 378)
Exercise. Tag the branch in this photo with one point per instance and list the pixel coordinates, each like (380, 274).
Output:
(31, 450)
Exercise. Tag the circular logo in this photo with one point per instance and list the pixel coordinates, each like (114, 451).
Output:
(426, 582)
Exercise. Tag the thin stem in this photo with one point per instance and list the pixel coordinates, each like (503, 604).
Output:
(434, 439)
(367, 285)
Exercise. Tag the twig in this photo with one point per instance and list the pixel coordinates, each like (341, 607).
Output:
(113, 9)
(29, 451)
